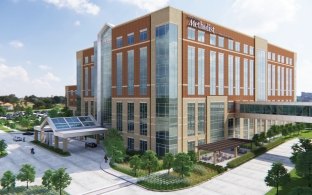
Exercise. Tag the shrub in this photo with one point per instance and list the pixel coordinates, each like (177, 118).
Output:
(164, 182)
(214, 167)
(51, 148)
(199, 170)
(127, 170)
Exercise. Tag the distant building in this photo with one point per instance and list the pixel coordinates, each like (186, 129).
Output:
(305, 97)
(71, 98)
(8, 106)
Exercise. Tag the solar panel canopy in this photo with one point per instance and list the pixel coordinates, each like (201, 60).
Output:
(78, 122)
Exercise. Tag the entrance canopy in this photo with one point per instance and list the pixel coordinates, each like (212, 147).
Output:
(67, 127)
(223, 144)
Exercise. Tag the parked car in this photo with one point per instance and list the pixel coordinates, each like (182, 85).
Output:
(90, 144)
(17, 139)
(28, 133)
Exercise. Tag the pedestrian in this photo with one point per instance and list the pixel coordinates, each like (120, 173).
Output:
(105, 158)
(23, 139)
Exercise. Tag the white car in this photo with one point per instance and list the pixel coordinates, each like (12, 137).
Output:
(17, 139)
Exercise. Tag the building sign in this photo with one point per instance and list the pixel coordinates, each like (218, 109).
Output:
(195, 23)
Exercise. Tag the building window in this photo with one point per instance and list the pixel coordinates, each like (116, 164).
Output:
(119, 116)
(143, 146)
(290, 61)
(269, 56)
(213, 73)
(191, 146)
(212, 39)
(231, 74)
(119, 42)
(201, 118)
(220, 41)
(230, 44)
(119, 74)
(251, 50)
(246, 76)
(237, 75)
(143, 71)
(290, 82)
(143, 35)
(273, 80)
(269, 79)
(201, 36)
(86, 59)
(237, 46)
(216, 121)
(201, 142)
(287, 60)
(130, 143)
(221, 74)
(131, 39)
(201, 71)
(130, 117)
(261, 73)
(283, 59)
(191, 70)
(230, 127)
(282, 81)
(143, 118)
(86, 81)
(251, 77)
(273, 56)
(130, 73)
(92, 59)
(278, 81)
(245, 49)
(191, 33)
(190, 119)
(278, 58)
(287, 81)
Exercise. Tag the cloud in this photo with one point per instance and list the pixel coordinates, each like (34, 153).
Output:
(79, 6)
(263, 16)
(148, 5)
(16, 80)
(2, 59)
(12, 72)
(16, 44)
(44, 67)
(77, 23)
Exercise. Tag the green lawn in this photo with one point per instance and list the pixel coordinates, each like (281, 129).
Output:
(295, 179)
(295, 182)
(6, 129)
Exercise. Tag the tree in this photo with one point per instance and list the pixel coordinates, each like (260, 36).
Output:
(304, 145)
(8, 180)
(53, 113)
(2, 111)
(150, 161)
(285, 132)
(3, 147)
(300, 191)
(262, 137)
(135, 163)
(255, 139)
(270, 134)
(66, 112)
(117, 155)
(47, 178)
(60, 179)
(113, 141)
(27, 173)
(25, 122)
(183, 164)
(29, 111)
(193, 156)
(304, 166)
(277, 176)
(168, 161)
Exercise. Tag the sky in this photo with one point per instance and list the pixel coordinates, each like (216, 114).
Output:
(39, 38)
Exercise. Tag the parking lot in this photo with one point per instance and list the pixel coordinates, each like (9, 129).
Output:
(83, 165)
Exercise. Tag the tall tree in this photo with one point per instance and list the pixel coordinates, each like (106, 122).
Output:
(277, 176)
(113, 140)
(135, 163)
(47, 178)
(304, 145)
(168, 161)
(300, 191)
(193, 156)
(150, 161)
(27, 173)
(2, 111)
(183, 164)
(304, 166)
(3, 147)
(29, 111)
(61, 179)
(8, 180)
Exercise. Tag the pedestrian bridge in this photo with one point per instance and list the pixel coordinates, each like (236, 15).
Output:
(281, 111)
